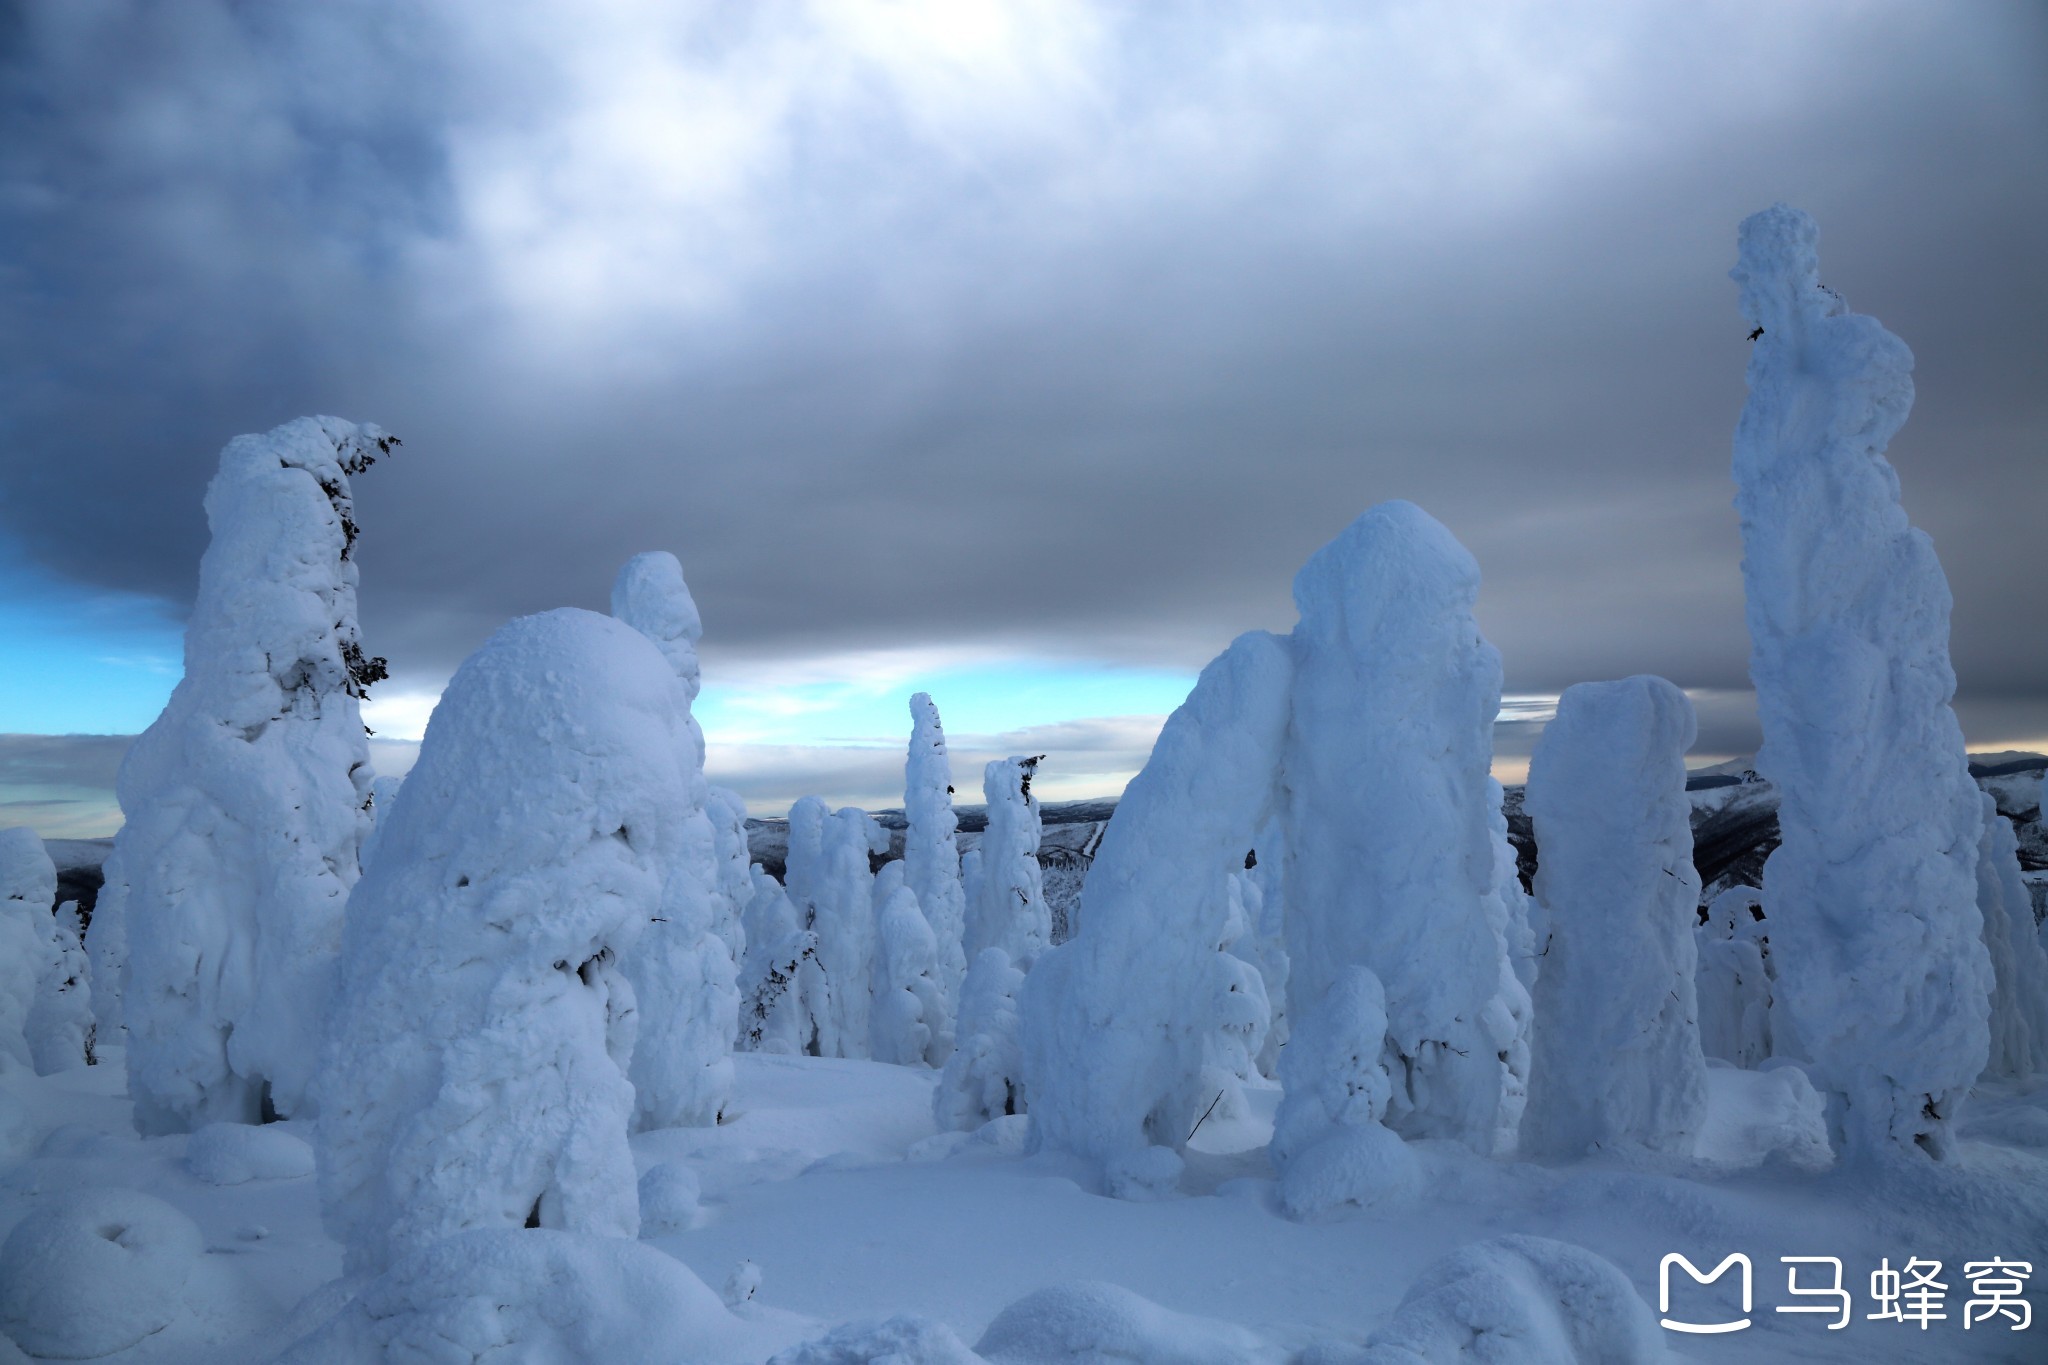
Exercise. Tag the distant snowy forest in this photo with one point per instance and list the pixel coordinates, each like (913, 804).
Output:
(1317, 1046)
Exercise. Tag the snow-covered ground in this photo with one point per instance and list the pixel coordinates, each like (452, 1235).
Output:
(830, 1177)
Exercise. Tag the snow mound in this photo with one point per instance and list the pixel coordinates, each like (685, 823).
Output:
(668, 1199)
(94, 1272)
(235, 1153)
(903, 1340)
(18, 1131)
(1092, 1321)
(1753, 1115)
(511, 1294)
(1518, 1300)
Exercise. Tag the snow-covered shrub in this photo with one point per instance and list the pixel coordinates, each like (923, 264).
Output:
(1872, 895)
(1009, 910)
(28, 886)
(1519, 1300)
(908, 1002)
(475, 1072)
(931, 852)
(1617, 1063)
(61, 1030)
(984, 1078)
(669, 1193)
(236, 1153)
(1330, 1144)
(682, 967)
(2019, 998)
(1390, 850)
(1732, 982)
(244, 799)
(492, 1294)
(1090, 1320)
(785, 1001)
(94, 1271)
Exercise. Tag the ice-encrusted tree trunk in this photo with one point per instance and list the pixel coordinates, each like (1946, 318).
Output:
(784, 999)
(28, 886)
(1391, 856)
(1617, 1065)
(475, 1070)
(1872, 895)
(1009, 910)
(682, 970)
(244, 801)
(931, 852)
(1119, 1020)
(2019, 999)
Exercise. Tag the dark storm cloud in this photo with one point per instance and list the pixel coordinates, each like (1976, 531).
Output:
(1076, 335)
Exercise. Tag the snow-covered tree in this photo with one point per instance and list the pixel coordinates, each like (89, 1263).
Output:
(1121, 1021)
(1617, 1064)
(682, 969)
(728, 812)
(28, 885)
(785, 1001)
(931, 853)
(245, 799)
(475, 1070)
(2019, 1000)
(1872, 895)
(383, 792)
(843, 897)
(61, 1030)
(909, 1006)
(1391, 856)
(1733, 980)
(984, 1078)
(1256, 902)
(1009, 910)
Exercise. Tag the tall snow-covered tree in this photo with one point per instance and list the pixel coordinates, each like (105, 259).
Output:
(61, 1030)
(1872, 895)
(1733, 980)
(682, 968)
(908, 1011)
(244, 801)
(785, 1001)
(475, 1072)
(931, 853)
(1617, 1065)
(28, 885)
(843, 897)
(2019, 998)
(1009, 910)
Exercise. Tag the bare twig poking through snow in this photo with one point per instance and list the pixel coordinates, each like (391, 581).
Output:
(1204, 1119)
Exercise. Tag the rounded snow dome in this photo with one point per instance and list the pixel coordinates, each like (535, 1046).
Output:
(236, 1153)
(94, 1272)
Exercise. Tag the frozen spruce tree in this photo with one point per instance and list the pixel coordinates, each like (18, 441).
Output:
(1733, 980)
(984, 1078)
(931, 856)
(1122, 1021)
(1009, 910)
(1391, 856)
(1617, 1064)
(843, 900)
(61, 1031)
(682, 969)
(908, 1012)
(784, 1000)
(245, 799)
(28, 885)
(475, 1072)
(2019, 999)
(1872, 896)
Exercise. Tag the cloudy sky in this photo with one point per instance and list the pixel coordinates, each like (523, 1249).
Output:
(1016, 351)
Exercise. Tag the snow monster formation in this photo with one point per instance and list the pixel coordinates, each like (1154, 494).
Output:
(475, 1072)
(245, 799)
(682, 969)
(1872, 895)
(931, 852)
(1617, 1065)
(1364, 737)
(28, 884)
